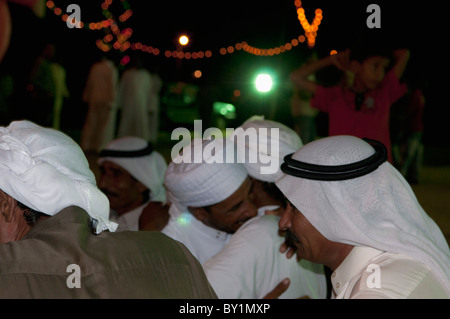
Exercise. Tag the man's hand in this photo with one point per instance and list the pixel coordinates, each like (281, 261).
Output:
(341, 60)
(279, 289)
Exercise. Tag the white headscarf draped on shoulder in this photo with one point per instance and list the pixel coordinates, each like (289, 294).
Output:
(377, 209)
(47, 171)
(137, 157)
(198, 179)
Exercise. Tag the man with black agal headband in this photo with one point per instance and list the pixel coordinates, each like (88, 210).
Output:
(131, 176)
(350, 209)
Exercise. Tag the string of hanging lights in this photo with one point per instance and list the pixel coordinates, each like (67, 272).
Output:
(119, 39)
(310, 29)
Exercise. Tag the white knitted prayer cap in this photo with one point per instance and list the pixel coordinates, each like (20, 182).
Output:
(284, 142)
(204, 181)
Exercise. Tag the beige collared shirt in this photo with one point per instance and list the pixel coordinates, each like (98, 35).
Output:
(368, 273)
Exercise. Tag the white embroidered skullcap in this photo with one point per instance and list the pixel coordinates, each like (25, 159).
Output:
(274, 141)
(148, 167)
(206, 176)
(47, 171)
(378, 209)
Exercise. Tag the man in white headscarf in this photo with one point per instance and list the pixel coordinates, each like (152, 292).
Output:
(209, 196)
(354, 212)
(55, 237)
(281, 140)
(250, 264)
(132, 176)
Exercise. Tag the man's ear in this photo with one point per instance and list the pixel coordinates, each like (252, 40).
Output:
(199, 212)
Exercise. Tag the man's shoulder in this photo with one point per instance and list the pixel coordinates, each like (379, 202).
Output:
(398, 276)
(178, 225)
(151, 239)
(259, 229)
(261, 222)
(395, 263)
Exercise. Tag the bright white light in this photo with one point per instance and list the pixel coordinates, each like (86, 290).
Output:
(263, 82)
(183, 40)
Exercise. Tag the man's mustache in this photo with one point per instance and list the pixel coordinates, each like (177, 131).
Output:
(290, 237)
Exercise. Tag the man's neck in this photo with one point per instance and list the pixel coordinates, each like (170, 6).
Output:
(129, 208)
(338, 254)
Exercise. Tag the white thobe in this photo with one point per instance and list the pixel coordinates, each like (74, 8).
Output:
(368, 273)
(135, 96)
(100, 94)
(128, 220)
(201, 240)
(250, 265)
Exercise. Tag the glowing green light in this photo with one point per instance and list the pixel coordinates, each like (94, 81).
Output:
(263, 82)
(184, 219)
(226, 109)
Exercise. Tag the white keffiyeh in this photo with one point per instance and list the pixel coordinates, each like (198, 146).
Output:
(377, 210)
(148, 169)
(47, 171)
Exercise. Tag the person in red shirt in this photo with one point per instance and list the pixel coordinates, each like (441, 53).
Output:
(360, 106)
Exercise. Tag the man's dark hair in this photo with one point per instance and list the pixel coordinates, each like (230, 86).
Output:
(31, 216)
(275, 192)
(146, 195)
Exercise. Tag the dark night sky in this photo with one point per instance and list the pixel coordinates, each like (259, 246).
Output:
(212, 25)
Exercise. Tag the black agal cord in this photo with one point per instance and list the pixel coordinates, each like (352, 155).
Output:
(138, 153)
(337, 172)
